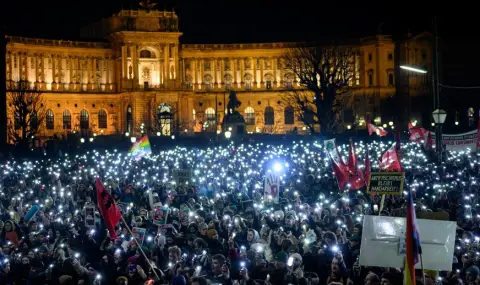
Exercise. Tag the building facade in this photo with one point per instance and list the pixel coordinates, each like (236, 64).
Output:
(140, 76)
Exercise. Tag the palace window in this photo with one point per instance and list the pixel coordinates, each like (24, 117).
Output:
(391, 80)
(208, 82)
(84, 120)
(146, 54)
(165, 119)
(289, 115)
(370, 57)
(210, 120)
(269, 116)
(248, 82)
(390, 56)
(370, 77)
(102, 119)
(67, 120)
(49, 119)
(129, 119)
(249, 116)
(471, 116)
(268, 81)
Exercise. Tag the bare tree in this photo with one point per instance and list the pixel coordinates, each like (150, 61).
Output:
(26, 111)
(324, 74)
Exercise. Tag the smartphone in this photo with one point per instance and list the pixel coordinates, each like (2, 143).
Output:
(290, 261)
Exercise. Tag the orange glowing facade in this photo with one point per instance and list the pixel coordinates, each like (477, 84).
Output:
(141, 72)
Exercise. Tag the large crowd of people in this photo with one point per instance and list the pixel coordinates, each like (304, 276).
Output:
(219, 227)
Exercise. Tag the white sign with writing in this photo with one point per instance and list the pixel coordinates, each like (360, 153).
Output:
(382, 242)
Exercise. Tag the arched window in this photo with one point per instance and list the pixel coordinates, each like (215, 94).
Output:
(17, 123)
(165, 119)
(129, 119)
(208, 82)
(269, 116)
(289, 116)
(84, 119)
(268, 81)
(391, 80)
(102, 119)
(249, 116)
(146, 54)
(188, 81)
(67, 120)
(33, 121)
(49, 120)
(289, 80)
(210, 120)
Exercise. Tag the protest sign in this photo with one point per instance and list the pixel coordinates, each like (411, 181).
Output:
(182, 177)
(160, 215)
(387, 183)
(439, 216)
(382, 242)
(272, 187)
(139, 234)
(459, 142)
(89, 216)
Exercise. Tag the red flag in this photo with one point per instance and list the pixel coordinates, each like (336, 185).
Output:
(374, 129)
(341, 172)
(355, 179)
(108, 208)
(418, 135)
(390, 160)
(368, 166)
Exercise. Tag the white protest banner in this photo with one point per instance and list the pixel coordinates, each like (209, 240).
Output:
(272, 187)
(459, 142)
(382, 245)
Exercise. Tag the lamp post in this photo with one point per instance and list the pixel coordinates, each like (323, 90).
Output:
(228, 135)
(439, 117)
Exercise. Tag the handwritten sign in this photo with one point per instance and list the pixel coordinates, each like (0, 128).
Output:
(182, 177)
(388, 183)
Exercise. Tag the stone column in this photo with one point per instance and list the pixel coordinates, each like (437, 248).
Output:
(27, 64)
(262, 68)
(60, 68)
(175, 61)
(222, 72)
(242, 72)
(214, 66)
(54, 80)
(254, 71)
(136, 80)
(79, 71)
(202, 74)
(194, 73)
(72, 68)
(42, 59)
(107, 72)
(282, 71)
(8, 61)
(166, 61)
(184, 72)
(234, 71)
(274, 71)
(36, 67)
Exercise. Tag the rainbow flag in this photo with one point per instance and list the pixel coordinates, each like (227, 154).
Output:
(140, 148)
(413, 247)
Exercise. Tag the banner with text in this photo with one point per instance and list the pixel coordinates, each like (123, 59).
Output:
(459, 142)
(388, 183)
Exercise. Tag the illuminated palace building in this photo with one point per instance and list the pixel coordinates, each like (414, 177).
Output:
(138, 72)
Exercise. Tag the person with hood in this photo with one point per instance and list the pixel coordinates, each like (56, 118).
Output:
(252, 237)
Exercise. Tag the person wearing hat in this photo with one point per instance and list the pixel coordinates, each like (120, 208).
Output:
(281, 274)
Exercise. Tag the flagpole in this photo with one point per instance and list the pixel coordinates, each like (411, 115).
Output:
(139, 246)
(423, 272)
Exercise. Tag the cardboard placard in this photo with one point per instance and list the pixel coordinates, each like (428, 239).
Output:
(182, 177)
(272, 187)
(160, 215)
(382, 242)
(89, 216)
(139, 234)
(387, 183)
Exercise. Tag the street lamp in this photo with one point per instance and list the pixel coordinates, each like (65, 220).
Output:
(439, 117)
(133, 139)
(228, 135)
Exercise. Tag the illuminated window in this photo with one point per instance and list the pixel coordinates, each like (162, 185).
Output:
(249, 116)
(49, 120)
(84, 119)
(165, 119)
(210, 120)
(289, 115)
(102, 119)
(471, 118)
(248, 82)
(33, 121)
(67, 120)
(269, 116)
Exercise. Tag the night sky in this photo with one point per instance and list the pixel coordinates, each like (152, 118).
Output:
(223, 21)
